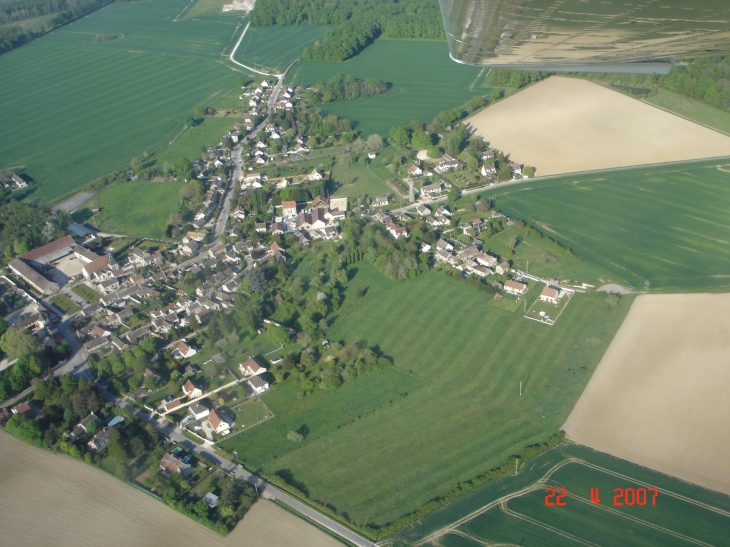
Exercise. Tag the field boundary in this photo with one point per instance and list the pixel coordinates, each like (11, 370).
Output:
(245, 66)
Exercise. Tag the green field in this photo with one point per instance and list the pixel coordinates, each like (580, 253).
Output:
(692, 109)
(272, 48)
(86, 292)
(137, 208)
(662, 228)
(382, 446)
(79, 109)
(358, 180)
(188, 145)
(425, 81)
(684, 514)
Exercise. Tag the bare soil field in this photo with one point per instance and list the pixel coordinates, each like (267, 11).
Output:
(659, 397)
(52, 500)
(566, 125)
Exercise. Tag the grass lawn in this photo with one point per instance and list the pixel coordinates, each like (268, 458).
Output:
(272, 48)
(65, 304)
(86, 292)
(661, 228)
(80, 109)
(692, 109)
(416, 93)
(456, 412)
(137, 208)
(189, 144)
(698, 514)
(357, 181)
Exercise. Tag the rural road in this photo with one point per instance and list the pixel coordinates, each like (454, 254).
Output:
(271, 104)
(220, 225)
(241, 64)
(267, 490)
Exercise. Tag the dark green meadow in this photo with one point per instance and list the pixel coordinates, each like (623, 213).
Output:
(450, 408)
(424, 81)
(659, 228)
(74, 109)
(684, 514)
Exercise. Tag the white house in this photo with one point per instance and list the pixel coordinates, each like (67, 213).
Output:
(191, 391)
(550, 295)
(183, 351)
(218, 421)
(251, 367)
(198, 411)
(423, 210)
(258, 385)
(515, 287)
(488, 169)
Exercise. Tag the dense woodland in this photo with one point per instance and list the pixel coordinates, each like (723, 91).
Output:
(360, 22)
(12, 36)
(344, 88)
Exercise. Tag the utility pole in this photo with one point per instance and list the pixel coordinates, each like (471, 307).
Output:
(520, 388)
(517, 461)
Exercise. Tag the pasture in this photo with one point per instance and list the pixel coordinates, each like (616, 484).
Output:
(661, 228)
(450, 409)
(137, 208)
(417, 93)
(272, 48)
(659, 396)
(79, 109)
(568, 125)
(692, 109)
(512, 511)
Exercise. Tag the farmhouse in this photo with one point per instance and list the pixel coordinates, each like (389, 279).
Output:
(251, 367)
(515, 287)
(550, 295)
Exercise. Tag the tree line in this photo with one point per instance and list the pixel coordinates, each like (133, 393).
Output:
(344, 88)
(13, 36)
(360, 22)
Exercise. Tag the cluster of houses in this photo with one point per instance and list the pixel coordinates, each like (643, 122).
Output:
(113, 312)
(12, 182)
(441, 218)
(198, 403)
(389, 221)
(258, 95)
(316, 220)
(259, 151)
(470, 259)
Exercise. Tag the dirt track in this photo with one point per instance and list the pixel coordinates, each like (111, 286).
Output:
(659, 396)
(50, 500)
(565, 125)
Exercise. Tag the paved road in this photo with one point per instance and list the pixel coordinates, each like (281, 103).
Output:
(175, 434)
(271, 104)
(220, 225)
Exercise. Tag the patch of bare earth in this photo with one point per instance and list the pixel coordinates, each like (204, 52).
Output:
(659, 397)
(53, 500)
(567, 125)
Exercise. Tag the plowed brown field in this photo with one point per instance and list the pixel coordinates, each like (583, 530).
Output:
(659, 397)
(566, 125)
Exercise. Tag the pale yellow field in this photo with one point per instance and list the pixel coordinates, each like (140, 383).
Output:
(566, 125)
(48, 500)
(659, 397)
